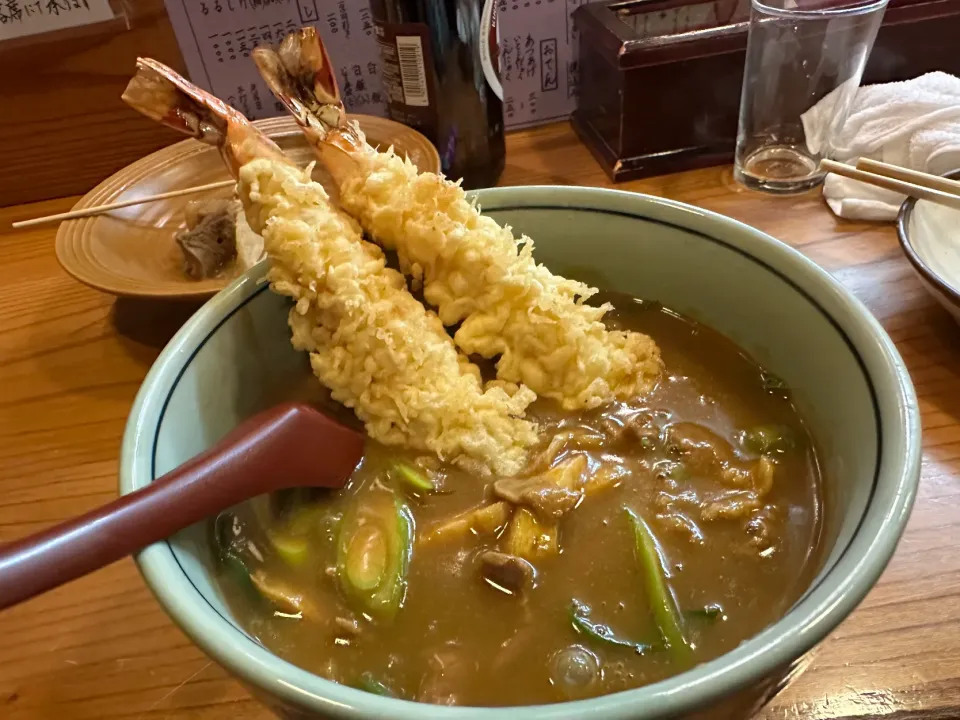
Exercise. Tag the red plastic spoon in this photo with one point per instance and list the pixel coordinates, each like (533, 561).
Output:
(289, 445)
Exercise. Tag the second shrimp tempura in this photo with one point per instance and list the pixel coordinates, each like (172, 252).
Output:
(372, 343)
(471, 269)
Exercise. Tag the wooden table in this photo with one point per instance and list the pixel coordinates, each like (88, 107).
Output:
(71, 360)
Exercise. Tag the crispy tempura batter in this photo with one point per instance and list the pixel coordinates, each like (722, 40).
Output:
(475, 272)
(370, 341)
(378, 349)
(472, 270)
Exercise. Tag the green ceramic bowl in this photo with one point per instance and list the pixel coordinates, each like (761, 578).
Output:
(234, 357)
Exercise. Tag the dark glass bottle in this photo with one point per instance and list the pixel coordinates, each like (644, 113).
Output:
(434, 80)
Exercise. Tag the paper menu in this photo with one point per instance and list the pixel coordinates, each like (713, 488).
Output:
(539, 50)
(538, 60)
(217, 36)
(19, 18)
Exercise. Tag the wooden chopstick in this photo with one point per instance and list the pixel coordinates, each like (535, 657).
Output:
(901, 186)
(100, 209)
(934, 182)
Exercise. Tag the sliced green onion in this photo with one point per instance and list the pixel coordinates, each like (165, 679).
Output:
(292, 539)
(411, 478)
(660, 598)
(368, 683)
(366, 557)
(580, 619)
(373, 553)
(292, 548)
(236, 569)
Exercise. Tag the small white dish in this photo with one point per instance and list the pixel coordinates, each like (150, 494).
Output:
(930, 237)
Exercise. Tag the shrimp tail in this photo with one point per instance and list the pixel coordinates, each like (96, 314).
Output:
(163, 95)
(300, 74)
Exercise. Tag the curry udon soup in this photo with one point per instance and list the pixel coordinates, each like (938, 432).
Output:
(641, 541)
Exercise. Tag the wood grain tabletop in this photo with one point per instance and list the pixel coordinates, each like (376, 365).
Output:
(63, 126)
(71, 360)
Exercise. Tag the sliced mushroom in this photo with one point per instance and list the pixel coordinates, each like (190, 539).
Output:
(702, 450)
(282, 598)
(682, 523)
(731, 505)
(509, 572)
(550, 494)
(538, 493)
(766, 468)
(548, 456)
(645, 429)
(757, 477)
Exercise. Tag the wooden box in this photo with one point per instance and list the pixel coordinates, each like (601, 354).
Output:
(653, 100)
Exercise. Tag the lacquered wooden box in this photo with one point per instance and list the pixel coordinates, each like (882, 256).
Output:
(659, 85)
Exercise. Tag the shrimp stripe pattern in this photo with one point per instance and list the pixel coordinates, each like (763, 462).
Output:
(472, 270)
(370, 341)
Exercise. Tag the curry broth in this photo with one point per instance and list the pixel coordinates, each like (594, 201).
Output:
(460, 640)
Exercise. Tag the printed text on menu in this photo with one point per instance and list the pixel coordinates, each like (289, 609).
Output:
(538, 60)
(217, 36)
(539, 50)
(19, 18)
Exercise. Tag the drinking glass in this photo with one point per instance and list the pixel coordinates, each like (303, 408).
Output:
(799, 52)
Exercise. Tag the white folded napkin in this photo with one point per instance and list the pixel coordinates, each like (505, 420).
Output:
(915, 124)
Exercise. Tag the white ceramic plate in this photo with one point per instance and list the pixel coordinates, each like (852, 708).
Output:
(930, 237)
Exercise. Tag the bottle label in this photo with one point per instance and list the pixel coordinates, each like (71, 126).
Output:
(406, 65)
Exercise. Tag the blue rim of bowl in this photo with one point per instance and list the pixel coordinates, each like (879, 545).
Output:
(811, 619)
(951, 293)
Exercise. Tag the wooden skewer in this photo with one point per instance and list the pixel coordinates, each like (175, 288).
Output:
(911, 189)
(896, 172)
(100, 209)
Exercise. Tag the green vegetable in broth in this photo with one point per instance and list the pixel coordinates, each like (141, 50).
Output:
(765, 439)
(373, 553)
(292, 539)
(227, 532)
(292, 548)
(366, 557)
(580, 619)
(411, 478)
(368, 683)
(659, 596)
(236, 569)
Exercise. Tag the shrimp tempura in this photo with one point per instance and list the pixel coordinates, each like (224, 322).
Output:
(471, 269)
(476, 273)
(378, 350)
(370, 341)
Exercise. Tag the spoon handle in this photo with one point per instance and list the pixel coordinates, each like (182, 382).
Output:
(256, 457)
